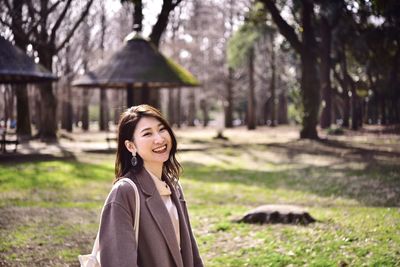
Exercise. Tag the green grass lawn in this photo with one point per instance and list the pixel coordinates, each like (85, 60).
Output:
(49, 209)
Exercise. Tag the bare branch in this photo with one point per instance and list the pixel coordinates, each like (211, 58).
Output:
(77, 23)
(284, 28)
(17, 31)
(53, 7)
(5, 23)
(8, 5)
(59, 20)
(32, 11)
(162, 21)
(176, 4)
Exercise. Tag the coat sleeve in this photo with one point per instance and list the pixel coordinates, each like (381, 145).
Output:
(197, 261)
(117, 242)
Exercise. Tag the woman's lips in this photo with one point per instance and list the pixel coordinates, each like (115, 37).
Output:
(160, 149)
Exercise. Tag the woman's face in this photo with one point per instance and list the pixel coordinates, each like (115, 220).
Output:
(152, 141)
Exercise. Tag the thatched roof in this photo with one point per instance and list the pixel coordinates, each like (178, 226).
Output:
(17, 67)
(138, 64)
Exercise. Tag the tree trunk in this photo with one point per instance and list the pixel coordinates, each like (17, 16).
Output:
(171, 107)
(335, 107)
(266, 112)
(8, 97)
(272, 87)
(203, 107)
(382, 106)
(228, 106)
(36, 117)
(117, 94)
(360, 112)
(48, 107)
(346, 91)
(354, 109)
(309, 80)
(346, 110)
(251, 105)
(48, 104)
(138, 16)
(85, 110)
(66, 122)
(283, 113)
(104, 112)
(396, 115)
(306, 49)
(24, 131)
(162, 21)
(67, 112)
(179, 108)
(154, 97)
(104, 115)
(192, 108)
(326, 118)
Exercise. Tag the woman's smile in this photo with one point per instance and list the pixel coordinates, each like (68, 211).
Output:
(160, 149)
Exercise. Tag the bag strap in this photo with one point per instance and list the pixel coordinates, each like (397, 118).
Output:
(135, 224)
(137, 208)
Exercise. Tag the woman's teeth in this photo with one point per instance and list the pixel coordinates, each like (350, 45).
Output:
(160, 149)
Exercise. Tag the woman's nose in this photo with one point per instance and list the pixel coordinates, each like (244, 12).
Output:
(158, 138)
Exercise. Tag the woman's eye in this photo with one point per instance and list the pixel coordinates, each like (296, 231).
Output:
(163, 129)
(146, 134)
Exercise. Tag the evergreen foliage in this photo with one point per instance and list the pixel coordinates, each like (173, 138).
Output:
(243, 40)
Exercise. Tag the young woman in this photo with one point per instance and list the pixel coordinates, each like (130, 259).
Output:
(146, 155)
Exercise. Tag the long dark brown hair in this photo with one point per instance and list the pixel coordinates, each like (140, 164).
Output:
(126, 127)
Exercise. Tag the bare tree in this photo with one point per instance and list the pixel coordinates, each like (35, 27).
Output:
(40, 28)
(306, 49)
(104, 114)
(23, 117)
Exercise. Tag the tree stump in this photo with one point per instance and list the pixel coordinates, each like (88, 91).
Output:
(286, 214)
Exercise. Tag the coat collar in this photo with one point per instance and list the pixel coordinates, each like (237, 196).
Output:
(144, 181)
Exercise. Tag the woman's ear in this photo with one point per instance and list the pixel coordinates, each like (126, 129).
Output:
(130, 146)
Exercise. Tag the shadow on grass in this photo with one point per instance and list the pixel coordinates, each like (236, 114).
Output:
(10, 158)
(334, 148)
(100, 151)
(365, 186)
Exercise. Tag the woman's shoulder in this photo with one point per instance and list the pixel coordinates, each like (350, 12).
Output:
(121, 192)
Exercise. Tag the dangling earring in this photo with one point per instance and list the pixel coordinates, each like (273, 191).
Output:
(134, 159)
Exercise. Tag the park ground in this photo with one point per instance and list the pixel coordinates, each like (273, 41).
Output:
(51, 196)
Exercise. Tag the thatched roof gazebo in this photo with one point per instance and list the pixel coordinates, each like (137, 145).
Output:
(17, 67)
(138, 65)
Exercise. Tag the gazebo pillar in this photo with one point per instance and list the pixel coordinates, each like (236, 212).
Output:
(145, 94)
(129, 96)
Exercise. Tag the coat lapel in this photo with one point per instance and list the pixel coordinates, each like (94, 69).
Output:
(186, 244)
(160, 214)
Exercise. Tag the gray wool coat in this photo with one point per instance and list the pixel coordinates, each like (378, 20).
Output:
(158, 246)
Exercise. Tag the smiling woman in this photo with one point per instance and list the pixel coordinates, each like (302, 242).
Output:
(146, 155)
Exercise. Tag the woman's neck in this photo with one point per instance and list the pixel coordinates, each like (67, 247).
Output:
(155, 169)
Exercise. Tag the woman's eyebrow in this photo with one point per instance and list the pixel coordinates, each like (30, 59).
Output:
(149, 128)
(145, 129)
